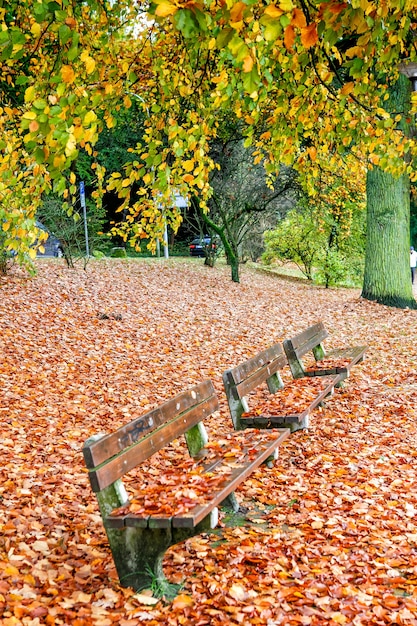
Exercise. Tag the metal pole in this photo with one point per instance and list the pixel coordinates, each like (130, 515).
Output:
(82, 199)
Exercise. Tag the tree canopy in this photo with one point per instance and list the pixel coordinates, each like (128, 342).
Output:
(308, 80)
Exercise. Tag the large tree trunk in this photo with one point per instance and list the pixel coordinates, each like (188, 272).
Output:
(387, 276)
(387, 268)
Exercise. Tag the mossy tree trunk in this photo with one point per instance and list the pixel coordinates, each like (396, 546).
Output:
(387, 267)
(232, 255)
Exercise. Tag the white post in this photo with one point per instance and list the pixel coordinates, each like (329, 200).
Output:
(82, 200)
(166, 251)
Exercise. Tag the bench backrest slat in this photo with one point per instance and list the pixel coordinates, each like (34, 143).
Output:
(113, 443)
(259, 363)
(258, 377)
(306, 340)
(179, 421)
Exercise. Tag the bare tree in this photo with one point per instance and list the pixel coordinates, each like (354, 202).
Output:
(243, 205)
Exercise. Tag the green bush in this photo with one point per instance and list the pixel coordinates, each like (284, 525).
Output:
(321, 251)
(295, 239)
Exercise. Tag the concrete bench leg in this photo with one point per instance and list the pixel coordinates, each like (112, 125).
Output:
(138, 554)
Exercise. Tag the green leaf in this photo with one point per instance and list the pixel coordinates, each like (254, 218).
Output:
(18, 37)
(251, 81)
(238, 48)
(72, 53)
(65, 33)
(201, 19)
(186, 23)
(40, 104)
(224, 37)
(39, 155)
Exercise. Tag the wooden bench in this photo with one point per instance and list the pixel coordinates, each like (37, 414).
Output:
(289, 406)
(325, 363)
(177, 497)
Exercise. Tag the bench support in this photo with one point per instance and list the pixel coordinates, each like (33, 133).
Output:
(312, 339)
(138, 553)
(239, 405)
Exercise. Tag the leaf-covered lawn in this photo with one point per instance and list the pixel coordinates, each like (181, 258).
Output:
(332, 537)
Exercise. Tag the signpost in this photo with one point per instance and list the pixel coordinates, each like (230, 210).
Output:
(82, 200)
(180, 202)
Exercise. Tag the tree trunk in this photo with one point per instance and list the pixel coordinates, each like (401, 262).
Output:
(231, 255)
(234, 266)
(387, 277)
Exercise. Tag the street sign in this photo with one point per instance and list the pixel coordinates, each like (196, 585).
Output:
(82, 194)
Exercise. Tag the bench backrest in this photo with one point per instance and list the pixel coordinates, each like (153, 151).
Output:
(113, 455)
(245, 377)
(305, 341)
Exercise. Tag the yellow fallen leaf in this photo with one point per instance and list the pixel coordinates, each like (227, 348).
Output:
(81, 597)
(142, 598)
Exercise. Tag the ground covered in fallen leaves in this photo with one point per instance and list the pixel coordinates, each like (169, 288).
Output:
(331, 532)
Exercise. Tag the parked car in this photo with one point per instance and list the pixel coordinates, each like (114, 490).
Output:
(201, 245)
(52, 246)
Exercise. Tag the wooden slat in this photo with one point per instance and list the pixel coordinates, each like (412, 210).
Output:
(355, 354)
(270, 421)
(118, 466)
(258, 377)
(326, 372)
(140, 521)
(127, 435)
(306, 340)
(117, 522)
(239, 474)
(122, 521)
(159, 522)
(200, 511)
(244, 370)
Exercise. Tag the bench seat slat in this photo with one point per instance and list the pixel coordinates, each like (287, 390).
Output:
(274, 420)
(265, 446)
(355, 355)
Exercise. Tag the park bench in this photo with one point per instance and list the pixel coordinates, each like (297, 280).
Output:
(179, 496)
(322, 363)
(275, 404)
